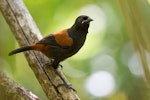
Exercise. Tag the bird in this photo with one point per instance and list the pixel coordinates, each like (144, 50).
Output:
(62, 44)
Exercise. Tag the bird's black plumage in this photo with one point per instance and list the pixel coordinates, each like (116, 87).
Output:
(62, 44)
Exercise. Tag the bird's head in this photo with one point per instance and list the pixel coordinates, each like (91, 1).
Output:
(83, 21)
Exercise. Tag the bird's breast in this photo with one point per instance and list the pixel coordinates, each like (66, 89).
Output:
(78, 38)
(77, 44)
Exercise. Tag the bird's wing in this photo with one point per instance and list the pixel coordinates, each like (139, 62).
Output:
(58, 39)
(48, 40)
(63, 39)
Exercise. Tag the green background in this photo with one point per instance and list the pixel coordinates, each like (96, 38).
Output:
(110, 46)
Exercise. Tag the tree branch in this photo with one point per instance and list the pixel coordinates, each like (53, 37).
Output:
(10, 89)
(26, 32)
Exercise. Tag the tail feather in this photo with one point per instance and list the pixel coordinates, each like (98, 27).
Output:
(25, 48)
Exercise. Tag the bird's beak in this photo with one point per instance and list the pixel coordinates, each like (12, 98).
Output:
(89, 20)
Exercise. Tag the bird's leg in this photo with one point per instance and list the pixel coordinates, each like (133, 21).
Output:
(48, 63)
(54, 65)
(65, 83)
(51, 63)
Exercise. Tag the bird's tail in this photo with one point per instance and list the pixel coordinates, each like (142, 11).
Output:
(25, 48)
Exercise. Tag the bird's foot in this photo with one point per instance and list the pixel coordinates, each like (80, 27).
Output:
(61, 66)
(46, 64)
(69, 86)
(65, 83)
(52, 63)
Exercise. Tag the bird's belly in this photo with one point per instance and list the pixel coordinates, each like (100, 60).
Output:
(72, 51)
(61, 54)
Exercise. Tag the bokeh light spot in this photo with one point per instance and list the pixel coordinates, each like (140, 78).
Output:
(100, 84)
(104, 62)
(135, 65)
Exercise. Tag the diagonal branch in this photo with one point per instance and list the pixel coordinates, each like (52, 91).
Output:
(26, 32)
(10, 89)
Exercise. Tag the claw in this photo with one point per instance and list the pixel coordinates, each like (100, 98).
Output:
(48, 63)
(69, 86)
(65, 83)
(61, 66)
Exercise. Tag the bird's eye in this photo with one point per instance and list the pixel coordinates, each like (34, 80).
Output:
(85, 18)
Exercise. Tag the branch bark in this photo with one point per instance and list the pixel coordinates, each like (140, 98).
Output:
(10, 89)
(26, 32)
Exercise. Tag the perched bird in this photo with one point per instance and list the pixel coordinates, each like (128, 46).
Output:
(62, 44)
